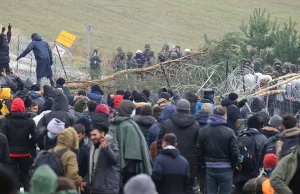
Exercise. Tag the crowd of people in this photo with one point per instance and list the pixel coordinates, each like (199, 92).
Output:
(135, 142)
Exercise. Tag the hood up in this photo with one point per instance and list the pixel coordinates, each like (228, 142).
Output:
(43, 181)
(37, 38)
(146, 121)
(167, 112)
(176, 95)
(257, 105)
(226, 102)
(60, 103)
(216, 120)
(69, 138)
(202, 118)
(191, 97)
(34, 95)
(170, 152)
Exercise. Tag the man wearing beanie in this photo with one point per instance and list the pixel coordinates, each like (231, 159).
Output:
(218, 151)
(146, 119)
(19, 129)
(184, 125)
(134, 159)
(261, 184)
(273, 127)
(79, 109)
(140, 184)
(233, 111)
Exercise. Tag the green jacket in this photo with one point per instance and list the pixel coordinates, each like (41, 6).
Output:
(44, 181)
(284, 172)
(132, 144)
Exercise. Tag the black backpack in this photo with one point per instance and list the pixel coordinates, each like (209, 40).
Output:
(50, 158)
(247, 147)
(271, 146)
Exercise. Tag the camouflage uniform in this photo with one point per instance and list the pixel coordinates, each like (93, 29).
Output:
(257, 65)
(286, 68)
(268, 70)
(130, 62)
(147, 53)
(293, 68)
(161, 57)
(119, 61)
(95, 65)
(278, 64)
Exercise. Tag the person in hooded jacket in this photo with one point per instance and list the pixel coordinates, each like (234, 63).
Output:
(186, 129)
(217, 151)
(104, 161)
(46, 108)
(43, 57)
(146, 120)
(139, 59)
(117, 101)
(233, 111)
(254, 123)
(134, 159)
(35, 94)
(19, 129)
(257, 105)
(208, 97)
(4, 151)
(192, 98)
(203, 114)
(68, 140)
(59, 111)
(47, 92)
(176, 96)
(154, 130)
(45, 181)
(96, 94)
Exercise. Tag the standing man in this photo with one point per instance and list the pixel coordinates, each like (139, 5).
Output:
(218, 151)
(95, 62)
(4, 48)
(43, 57)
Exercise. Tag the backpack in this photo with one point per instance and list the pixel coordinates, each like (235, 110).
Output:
(247, 148)
(153, 150)
(50, 158)
(271, 146)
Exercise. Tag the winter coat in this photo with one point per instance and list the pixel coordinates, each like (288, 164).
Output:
(289, 140)
(192, 98)
(40, 116)
(44, 181)
(140, 60)
(154, 130)
(83, 156)
(6, 82)
(186, 129)
(217, 143)
(106, 179)
(59, 111)
(43, 57)
(233, 113)
(269, 131)
(36, 97)
(259, 140)
(284, 173)
(17, 127)
(144, 123)
(171, 172)
(257, 106)
(4, 150)
(202, 118)
(4, 48)
(96, 96)
(269, 147)
(65, 89)
(68, 139)
(128, 134)
(78, 116)
(200, 104)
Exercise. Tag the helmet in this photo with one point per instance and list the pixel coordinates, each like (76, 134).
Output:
(277, 62)
(147, 46)
(95, 51)
(173, 55)
(275, 74)
(268, 69)
(293, 68)
(119, 49)
(138, 51)
(129, 53)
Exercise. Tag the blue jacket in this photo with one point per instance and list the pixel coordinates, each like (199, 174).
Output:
(43, 57)
(200, 104)
(154, 130)
(96, 96)
(36, 97)
(202, 118)
(171, 172)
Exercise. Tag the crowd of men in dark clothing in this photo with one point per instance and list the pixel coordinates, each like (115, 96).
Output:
(181, 144)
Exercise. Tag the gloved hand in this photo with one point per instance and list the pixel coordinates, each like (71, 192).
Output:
(3, 29)
(18, 58)
(9, 27)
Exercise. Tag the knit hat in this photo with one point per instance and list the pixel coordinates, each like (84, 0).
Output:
(27, 101)
(206, 108)
(138, 184)
(146, 110)
(60, 81)
(233, 96)
(48, 104)
(80, 106)
(18, 105)
(125, 108)
(183, 106)
(165, 95)
(270, 160)
(81, 93)
(102, 108)
(55, 126)
(275, 121)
